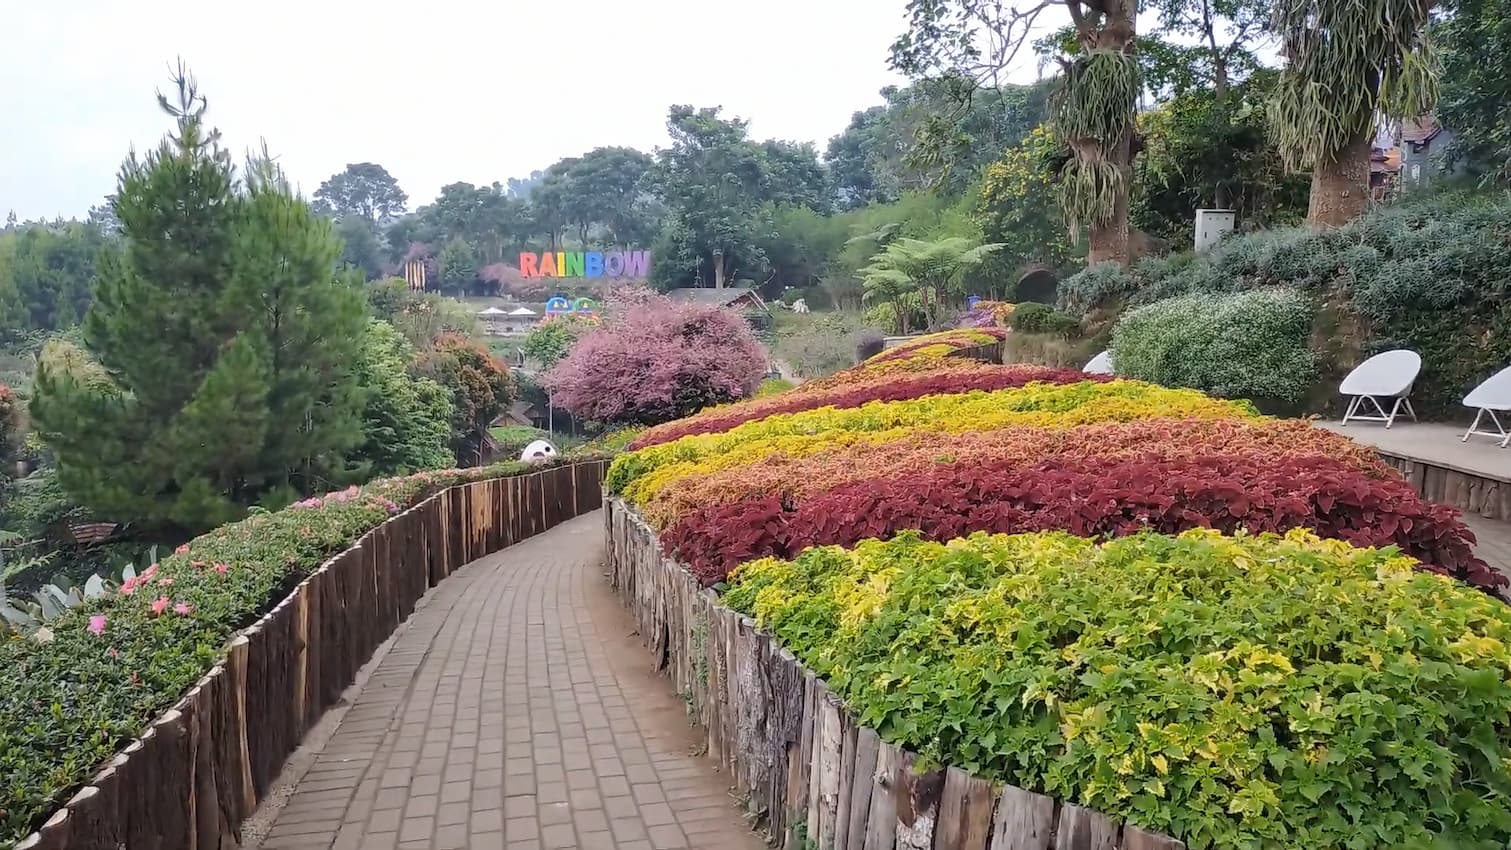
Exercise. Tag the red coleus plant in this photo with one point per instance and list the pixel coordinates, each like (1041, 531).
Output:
(1092, 497)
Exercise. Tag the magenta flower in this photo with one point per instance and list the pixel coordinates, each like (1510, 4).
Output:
(183, 608)
(97, 624)
(159, 606)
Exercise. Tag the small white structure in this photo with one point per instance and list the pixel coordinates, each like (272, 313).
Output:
(1212, 226)
(800, 306)
(1491, 396)
(539, 451)
(1100, 364)
(1387, 376)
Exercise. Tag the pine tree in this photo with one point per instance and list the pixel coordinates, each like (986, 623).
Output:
(227, 339)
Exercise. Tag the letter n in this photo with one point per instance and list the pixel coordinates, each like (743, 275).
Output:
(573, 265)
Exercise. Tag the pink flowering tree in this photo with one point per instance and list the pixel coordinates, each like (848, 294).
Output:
(653, 360)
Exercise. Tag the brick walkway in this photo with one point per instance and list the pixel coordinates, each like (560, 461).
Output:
(515, 710)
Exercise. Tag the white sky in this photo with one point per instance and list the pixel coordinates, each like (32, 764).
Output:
(436, 92)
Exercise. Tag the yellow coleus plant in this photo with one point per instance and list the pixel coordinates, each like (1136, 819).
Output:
(1237, 692)
(640, 474)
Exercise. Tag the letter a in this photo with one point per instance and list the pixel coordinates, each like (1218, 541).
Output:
(593, 264)
(527, 265)
(548, 264)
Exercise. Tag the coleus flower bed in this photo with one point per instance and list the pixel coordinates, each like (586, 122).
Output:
(102, 671)
(1237, 692)
(1137, 649)
(1095, 497)
(950, 378)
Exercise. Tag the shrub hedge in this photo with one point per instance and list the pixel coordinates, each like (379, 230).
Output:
(1433, 275)
(1248, 345)
(1035, 318)
(1237, 692)
(1094, 497)
(71, 698)
(951, 377)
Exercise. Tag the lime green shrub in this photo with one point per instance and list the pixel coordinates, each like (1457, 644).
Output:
(1236, 692)
(1250, 345)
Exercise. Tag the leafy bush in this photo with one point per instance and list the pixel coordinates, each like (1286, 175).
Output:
(551, 341)
(1094, 286)
(955, 377)
(1235, 692)
(1433, 275)
(512, 439)
(1043, 319)
(1250, 345)
(112, 664)
(406, 421)
(1091, 497)
(655, 360)
(481, 388)
(640, 474)
(792, 480)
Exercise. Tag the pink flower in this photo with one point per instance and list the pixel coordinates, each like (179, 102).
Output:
(183, 608)
(165, 581)
(128, 586)
(97, 624)
(222, 568)
(160, 605)
(149, 572)
(182, 550)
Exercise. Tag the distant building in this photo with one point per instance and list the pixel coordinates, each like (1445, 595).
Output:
(1424, 148)
(497, 322)
(735, 298)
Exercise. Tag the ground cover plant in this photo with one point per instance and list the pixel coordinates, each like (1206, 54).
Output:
(73, 693)
(1234, 691)
(1242, 631)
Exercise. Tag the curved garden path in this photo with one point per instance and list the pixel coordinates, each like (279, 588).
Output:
(514, 709)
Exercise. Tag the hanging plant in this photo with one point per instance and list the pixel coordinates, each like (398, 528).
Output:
(1089, 190)
(1097, 97)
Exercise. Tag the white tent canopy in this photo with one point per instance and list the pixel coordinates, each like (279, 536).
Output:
(522, 311)
(492, 311)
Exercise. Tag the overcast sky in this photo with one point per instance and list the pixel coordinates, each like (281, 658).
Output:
(436, 91)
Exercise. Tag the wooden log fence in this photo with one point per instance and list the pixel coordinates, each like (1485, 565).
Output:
(1483, 495)
(809, 775)
(204, 766)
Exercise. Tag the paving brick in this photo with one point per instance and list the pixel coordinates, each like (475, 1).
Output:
(497, 720)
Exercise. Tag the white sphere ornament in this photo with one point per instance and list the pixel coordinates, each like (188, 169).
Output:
(539, 451)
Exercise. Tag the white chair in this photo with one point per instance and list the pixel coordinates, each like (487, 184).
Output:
(1389, 377)
(1100, 364)
(1492, 395)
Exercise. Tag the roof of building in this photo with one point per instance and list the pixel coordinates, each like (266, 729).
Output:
(715, 297)
(1419, 130)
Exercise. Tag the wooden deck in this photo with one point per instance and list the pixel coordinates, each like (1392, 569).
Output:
(1474, 477)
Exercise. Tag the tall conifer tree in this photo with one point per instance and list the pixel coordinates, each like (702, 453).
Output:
(228, 337)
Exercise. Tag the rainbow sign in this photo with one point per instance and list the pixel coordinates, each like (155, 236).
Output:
(614, 264)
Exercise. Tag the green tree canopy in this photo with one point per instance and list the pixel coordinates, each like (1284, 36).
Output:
(406, 423)
(365, 189)
(225, 339)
